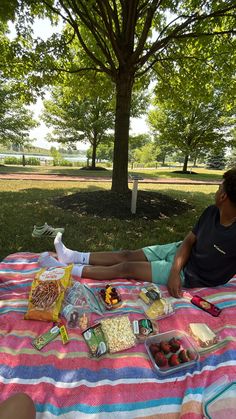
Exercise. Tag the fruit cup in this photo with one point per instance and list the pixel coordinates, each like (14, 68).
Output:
(110, 297)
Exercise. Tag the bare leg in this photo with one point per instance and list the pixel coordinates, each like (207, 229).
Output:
(128, 270)
(68, 256)
(19, 406)
(113, 258)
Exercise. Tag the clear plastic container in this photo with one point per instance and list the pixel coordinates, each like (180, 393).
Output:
(203, 335)
(155, 307)
(81, 295)
(205, 339)
(118, 333)
(220, 400)
(171, 351)
(76, 316)
(75, 295)
(110, 297)
(158, 309)
(150, 294)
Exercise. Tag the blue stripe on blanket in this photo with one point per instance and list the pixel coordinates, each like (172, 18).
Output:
(24, 372)
(118, 407)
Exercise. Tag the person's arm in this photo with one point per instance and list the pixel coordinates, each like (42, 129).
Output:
(180, 260)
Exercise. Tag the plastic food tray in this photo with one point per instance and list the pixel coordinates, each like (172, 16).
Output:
(152, 314)
(213, 344)
(185, 345)
(221, 402)
(110, 306)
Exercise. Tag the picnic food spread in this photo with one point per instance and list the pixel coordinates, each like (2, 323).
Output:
(52, 291)
(69, 380)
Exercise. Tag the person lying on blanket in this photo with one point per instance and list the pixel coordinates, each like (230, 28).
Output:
(205, 258)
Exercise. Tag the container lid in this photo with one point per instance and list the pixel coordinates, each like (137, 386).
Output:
(221, 404)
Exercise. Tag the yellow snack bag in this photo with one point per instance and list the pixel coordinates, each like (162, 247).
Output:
(47, 293)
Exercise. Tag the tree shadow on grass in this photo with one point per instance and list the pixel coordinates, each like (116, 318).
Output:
(173, 213)
(150, 205)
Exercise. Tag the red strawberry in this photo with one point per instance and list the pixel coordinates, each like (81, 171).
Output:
(165, 347)
(154, 348)
(183, 357)
(173, 360)
(175, 340)
(190, 354)
(174, 345)
(160, 359)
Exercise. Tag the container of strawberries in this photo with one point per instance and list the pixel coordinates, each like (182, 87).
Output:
(171, 351)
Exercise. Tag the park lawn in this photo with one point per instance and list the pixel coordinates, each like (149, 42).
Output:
(25, 203)
(199, 173)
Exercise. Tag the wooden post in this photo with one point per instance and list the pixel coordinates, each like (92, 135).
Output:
(135, 178)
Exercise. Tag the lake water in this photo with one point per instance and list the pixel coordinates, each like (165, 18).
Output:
(42, 158)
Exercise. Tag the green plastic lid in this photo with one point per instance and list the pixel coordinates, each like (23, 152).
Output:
(222, 404)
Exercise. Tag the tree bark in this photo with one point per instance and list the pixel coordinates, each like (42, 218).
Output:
(185, 163)
(124, 84)
(94, 152)
(163, 159)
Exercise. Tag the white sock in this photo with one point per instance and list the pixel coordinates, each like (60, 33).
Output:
(47, 261)
(67, 255)
(77, 270)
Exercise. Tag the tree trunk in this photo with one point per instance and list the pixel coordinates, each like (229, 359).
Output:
(185, 163)
(163, 159)
(94, 152)
(124, 84)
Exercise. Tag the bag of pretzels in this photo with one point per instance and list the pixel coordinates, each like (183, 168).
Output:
(47, 293)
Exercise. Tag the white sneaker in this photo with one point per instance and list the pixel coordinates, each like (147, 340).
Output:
(46, 231)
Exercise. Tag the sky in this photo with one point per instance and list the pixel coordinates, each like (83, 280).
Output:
(43, 29)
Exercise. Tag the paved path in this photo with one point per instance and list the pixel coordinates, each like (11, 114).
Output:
(59, 177)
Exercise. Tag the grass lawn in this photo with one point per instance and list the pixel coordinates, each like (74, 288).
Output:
(199, 173)
(25, 203)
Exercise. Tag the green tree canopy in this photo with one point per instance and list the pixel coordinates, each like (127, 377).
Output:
(76, 119)
(191, 129)
(147, 153)
(136, 142)
(124, 39)
(193, 106)
(15, 118)
(216, 160)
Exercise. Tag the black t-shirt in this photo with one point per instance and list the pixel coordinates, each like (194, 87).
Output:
(213, 257)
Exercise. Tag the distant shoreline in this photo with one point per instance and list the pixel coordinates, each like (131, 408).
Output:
(43, 157)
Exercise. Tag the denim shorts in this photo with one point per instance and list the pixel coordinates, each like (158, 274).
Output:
(161, 258)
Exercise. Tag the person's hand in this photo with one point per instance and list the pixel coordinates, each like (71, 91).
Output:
(174, 285)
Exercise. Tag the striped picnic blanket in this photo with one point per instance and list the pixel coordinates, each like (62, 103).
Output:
(65, 382)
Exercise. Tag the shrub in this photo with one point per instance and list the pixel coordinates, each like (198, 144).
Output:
(32, 161)
(78, 163)
(62, 163)
(151, 164)
(13, 160)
